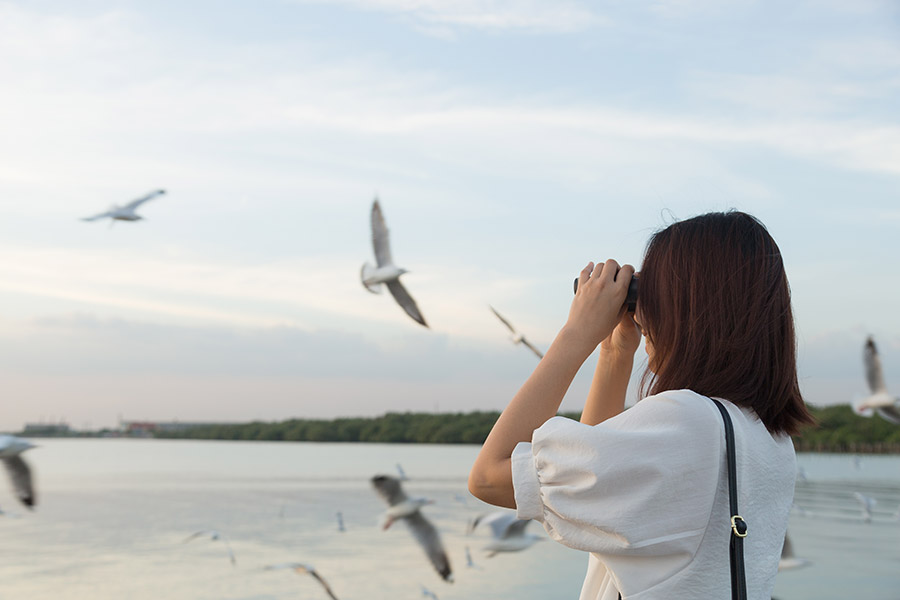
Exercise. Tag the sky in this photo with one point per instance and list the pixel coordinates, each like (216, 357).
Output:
(510, 142)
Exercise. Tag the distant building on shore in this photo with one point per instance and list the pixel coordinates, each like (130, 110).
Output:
(46, 429)
(149, 428)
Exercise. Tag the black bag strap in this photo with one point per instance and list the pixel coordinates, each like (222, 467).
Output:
(738, 525)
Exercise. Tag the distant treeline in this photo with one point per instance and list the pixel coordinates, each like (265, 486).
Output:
(394, 428)
(838, 430)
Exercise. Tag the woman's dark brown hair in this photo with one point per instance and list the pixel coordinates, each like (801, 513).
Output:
(716, 306)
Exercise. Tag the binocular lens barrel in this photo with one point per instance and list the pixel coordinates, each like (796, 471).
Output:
(630, 298)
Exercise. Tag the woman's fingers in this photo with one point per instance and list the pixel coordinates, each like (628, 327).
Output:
(585, 275)
(623, 277)
(609, 272)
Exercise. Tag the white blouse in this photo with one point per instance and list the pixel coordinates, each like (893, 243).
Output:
(646, 493)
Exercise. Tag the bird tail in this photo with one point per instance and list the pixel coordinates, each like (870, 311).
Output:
(365, 274)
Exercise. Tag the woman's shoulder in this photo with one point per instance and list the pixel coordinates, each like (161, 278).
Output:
(678, 416)
(676, 406)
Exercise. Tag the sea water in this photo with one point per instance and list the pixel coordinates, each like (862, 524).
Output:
(114, 514)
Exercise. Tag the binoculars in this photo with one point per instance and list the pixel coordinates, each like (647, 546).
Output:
(630, 298)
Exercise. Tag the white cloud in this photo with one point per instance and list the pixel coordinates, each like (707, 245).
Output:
(530, 16)
(121, 104)
(302, 293)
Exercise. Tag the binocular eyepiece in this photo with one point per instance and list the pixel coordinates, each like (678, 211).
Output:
(630, 298)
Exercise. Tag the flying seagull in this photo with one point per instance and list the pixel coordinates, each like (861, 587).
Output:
(880, 401)
(125, 213)
(214, 535)
(788, 560)
(400, 506)
(516, 337)
(426, 593)
(508, 532)
(304, 568)
(11, 448)
(384, 271)
(866, 504)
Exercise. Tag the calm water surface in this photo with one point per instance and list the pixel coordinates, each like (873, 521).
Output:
(113, 516)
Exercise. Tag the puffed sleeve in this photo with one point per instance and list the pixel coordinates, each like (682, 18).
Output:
(641, 483)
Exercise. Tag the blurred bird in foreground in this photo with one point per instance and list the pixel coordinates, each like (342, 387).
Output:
(887, 406)
(303, 568)
(400, 506)
(866, 504)
(508, 532)
(11, 449)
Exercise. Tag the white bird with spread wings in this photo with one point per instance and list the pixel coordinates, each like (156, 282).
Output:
(887, 406)
(307, 569)
(214, 535)
(126, 212)
(385, 272)
(11, 448)
(507, 531)
(515, 336)
(402, 507)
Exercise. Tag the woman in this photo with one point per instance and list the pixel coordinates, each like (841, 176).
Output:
(645, 490)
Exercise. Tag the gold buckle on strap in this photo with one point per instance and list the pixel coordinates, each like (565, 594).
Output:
(739, 526)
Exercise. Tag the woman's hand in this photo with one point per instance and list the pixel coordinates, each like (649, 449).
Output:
(592, 318)
(625, 338)
(598, 310)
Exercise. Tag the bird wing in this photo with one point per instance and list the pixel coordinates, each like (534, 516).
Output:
(516, 528)
(381, 241)
(324, 583)
(98, 217)
(502, 320)
(430, 540)
(21, 479)
(873, 367)
(890, 413)
(406, 301)
(230, 551)
(389, 489)
(865, 502)
(196, 535)
(531, 347)
(280, 566)
(135, 203)
(499, 522)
